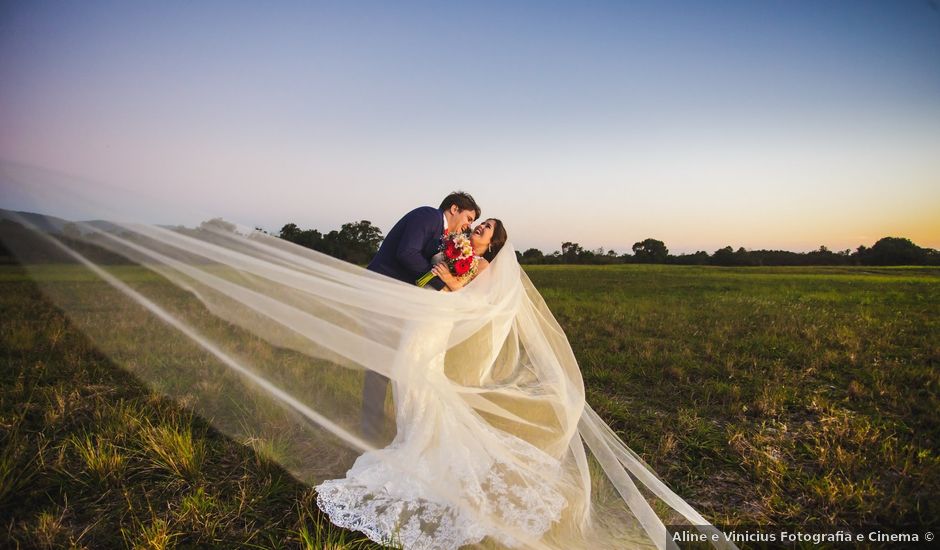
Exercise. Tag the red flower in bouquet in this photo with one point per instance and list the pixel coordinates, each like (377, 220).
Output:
(462, 266)
(451, 250)
(458, 255)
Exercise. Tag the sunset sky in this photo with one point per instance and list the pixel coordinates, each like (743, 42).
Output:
(769, 124)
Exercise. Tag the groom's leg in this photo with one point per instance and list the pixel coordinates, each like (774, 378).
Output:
(373, 405)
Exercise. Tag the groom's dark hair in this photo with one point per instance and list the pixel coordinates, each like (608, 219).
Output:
(463, 201)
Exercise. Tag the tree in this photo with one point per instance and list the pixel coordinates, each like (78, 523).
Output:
(650, 251)
(311, 238)
(356, 242)
(571, 252)
(823, 256)
(362, 234)
(743, 257)
(893, 251)
(290, 232)
(532, 256)
(724, 256)
(698, 258)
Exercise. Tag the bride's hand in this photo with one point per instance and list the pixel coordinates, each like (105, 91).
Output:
(445, 275)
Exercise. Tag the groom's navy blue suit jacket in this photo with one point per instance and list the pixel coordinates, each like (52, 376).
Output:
(406, 252)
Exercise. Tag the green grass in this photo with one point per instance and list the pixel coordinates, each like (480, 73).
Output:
(90, 458)
(767, 395)
(761, 395)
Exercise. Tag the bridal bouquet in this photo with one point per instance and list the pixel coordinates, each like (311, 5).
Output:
(458, 255)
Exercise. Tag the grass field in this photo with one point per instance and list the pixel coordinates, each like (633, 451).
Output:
(768, 395)
(761, 395)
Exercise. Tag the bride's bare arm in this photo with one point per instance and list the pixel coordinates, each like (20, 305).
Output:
(453, 284)
(450, 282)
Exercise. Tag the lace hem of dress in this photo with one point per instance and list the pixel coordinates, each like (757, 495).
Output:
(415, 525)
(394, 511)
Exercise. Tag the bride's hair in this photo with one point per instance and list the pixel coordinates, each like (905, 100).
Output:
(497, 241)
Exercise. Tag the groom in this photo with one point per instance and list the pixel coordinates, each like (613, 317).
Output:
(405, 255)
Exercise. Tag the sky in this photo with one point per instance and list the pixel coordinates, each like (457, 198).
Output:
(772, 124)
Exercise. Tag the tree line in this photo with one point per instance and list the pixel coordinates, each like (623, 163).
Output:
(355, 242)
(887, 251)
(358, 242)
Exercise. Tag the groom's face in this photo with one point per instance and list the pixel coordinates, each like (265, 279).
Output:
(461, 220)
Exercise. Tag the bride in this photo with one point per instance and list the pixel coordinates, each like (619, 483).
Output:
(494, 444)
(497, 477)
(457, 473)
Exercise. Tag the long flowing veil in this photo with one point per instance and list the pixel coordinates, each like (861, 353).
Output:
(270, 341)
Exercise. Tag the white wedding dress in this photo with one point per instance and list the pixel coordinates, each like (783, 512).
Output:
(444, 473)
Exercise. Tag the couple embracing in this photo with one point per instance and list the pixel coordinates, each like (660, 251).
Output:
(415, 247)
(447, 468)
(494, 445)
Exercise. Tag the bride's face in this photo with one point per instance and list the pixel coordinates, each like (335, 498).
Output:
(482, 234)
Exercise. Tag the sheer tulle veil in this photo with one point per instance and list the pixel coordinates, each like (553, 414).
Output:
(269, 342)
